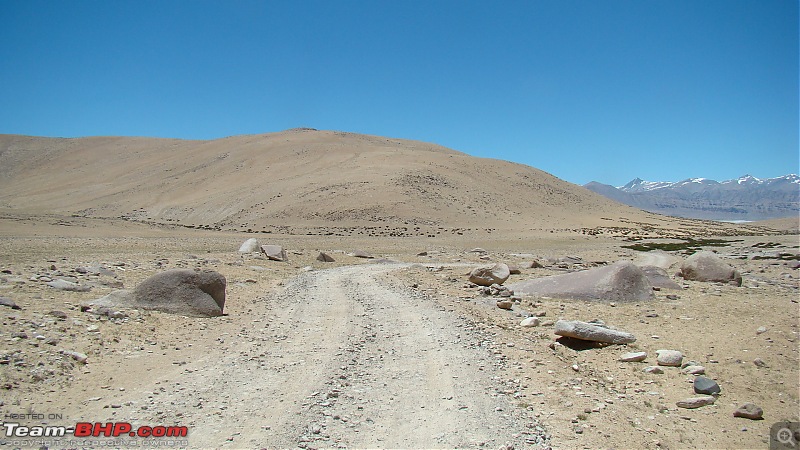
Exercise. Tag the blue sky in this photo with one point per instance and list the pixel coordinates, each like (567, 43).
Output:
(587, 90)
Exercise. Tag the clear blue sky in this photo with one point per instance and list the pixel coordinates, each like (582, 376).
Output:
(587, 90)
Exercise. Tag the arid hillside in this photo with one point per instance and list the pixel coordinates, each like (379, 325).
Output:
(305, 181)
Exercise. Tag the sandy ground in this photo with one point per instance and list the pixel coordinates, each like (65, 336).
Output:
(409, 355)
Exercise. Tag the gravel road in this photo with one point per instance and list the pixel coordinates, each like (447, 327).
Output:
(347, 357)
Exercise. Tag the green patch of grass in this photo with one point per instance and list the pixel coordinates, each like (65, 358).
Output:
(688, 247)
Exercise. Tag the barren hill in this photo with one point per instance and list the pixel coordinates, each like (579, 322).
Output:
(302, 181)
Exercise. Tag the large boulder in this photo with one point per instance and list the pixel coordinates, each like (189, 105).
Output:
(707, 266)
(249, 246)
(660, 278)
(487, 276)
(274, 252)
(592, 332)
(178, 291)
(621, 281)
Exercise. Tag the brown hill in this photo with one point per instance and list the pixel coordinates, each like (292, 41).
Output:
(306, 181)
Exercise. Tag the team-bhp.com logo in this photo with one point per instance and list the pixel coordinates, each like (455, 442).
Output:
(96, 429)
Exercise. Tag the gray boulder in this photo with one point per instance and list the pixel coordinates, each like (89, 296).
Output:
(249, 246)
(487, 276)
(324, 257)
(592, 332)
(274, 252)
(621, 281)
(660, 278)
(178, 291)
(707, 266)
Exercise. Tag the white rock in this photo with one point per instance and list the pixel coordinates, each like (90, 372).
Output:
(653, 369)
(591, 332)
(487, 276)
(530, 322)
(633, 357)
(669, 358)
(694, 370)
(249, 246)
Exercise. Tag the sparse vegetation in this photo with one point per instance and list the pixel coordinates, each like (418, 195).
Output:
(690, 246)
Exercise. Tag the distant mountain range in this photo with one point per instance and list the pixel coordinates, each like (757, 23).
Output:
(745, 198)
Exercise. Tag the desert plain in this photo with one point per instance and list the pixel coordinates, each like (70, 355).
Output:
(395, 351)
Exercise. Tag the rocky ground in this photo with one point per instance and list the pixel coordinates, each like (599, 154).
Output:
(403, 352)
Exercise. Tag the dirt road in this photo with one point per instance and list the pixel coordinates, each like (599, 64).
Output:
(345, 357)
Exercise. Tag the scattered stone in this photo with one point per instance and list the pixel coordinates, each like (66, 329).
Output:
(109, 312)
(535, 265)
(694, 370)
(749, 411)
(422, 254)
(653, 369)
(61, 315)
(77, 356)
(759, 363)
(514, 270)
(761, 330)
(695, 402)
(703, 385)
(671, 358)
(324, 257)
(487, 276)
(360, 254)
(707, 266)
(621, 281)
(505, 304)
(178, 291)
(5, 301)
(63, 285)
(530, 322)
(249, 246)
(633, 357)
(592, 332)
(274, 253)
(478, 250)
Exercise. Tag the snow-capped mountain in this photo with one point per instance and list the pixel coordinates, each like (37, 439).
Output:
(744, 198)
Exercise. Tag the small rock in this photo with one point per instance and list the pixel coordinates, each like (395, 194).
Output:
(695, 402)
(530, 322)
(653, 369)
(749, 411)
(761, 330)
(505, 304)
(61, 315)
(759, 362)
(703, 385)
(63, 285)
(77, 356)
(5, 301)
(669, 358)
(694, 370)
(324, 257)
(633, 357)
(361, 254)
